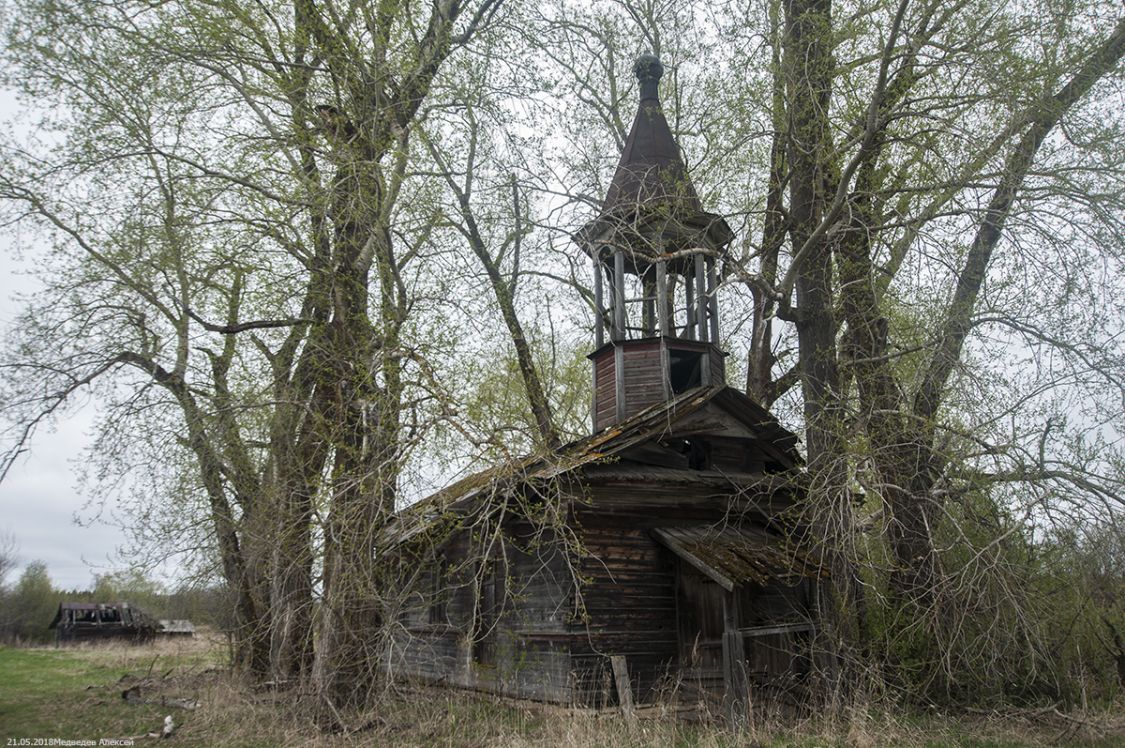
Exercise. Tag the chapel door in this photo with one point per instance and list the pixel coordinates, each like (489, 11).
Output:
(776, 637)
(699, 623)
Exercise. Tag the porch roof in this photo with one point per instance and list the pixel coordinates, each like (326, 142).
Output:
(733, 556)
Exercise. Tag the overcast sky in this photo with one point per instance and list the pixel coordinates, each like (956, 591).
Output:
(39, 499)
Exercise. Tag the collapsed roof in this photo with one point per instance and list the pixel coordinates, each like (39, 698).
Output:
(735, 556)
(602, 449)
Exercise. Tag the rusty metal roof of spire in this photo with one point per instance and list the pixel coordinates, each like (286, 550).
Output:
(651, 171)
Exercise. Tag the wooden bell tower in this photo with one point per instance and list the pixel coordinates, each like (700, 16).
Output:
(654, 251)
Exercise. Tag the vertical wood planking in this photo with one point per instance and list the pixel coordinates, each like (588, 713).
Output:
(599, 304)
(700, 298)
(734, 661)
(624, 687)
(619, 382)
(713, 299)
(648, 304)
(718, 366)
(619, 319)
(689, 294)
(663, 313)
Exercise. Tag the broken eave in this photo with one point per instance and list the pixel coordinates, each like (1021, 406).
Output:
(654, 233)
(734, 557)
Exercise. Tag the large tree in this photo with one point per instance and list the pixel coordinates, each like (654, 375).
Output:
(861, 204)
(221, 187)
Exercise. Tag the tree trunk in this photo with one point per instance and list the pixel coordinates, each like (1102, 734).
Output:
(903, 444)
(362, 418)
(760, 360)
(808, 69)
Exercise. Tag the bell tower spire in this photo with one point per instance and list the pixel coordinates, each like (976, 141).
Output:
(654, 252)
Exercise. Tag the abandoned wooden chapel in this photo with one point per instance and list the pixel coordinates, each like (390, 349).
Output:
(651, 560)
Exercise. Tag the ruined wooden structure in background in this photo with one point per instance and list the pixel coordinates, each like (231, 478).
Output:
(176, 628)
(93, 622)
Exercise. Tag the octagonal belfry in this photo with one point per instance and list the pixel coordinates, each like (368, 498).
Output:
(654, 251)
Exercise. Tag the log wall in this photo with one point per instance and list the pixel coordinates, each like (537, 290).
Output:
(630, 603)
(502, 628)
(552, 641)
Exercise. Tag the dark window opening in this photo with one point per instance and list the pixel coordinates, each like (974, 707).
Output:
(110, 615)
(439, 591)
(697, 451)
(698, 454)
(489, 606)
(685, 370)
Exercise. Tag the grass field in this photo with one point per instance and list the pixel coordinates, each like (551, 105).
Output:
(76, 695)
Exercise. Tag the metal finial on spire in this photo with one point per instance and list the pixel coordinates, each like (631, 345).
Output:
(649, 70)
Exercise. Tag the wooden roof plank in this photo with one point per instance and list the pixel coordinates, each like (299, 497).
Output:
(677, 547)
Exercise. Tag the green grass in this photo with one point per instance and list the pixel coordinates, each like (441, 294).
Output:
(75, 694)
(64, 694)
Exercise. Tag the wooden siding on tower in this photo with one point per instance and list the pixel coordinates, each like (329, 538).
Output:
(718, 366)
(643, 380)
(605, 393)
(643, 374)
(644, 377)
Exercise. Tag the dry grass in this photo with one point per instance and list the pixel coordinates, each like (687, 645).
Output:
(75, 693)
(424, 716)
(206, 648)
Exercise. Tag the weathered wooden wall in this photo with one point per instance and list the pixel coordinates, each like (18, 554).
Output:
(605, 397)
(699, 602)
(105, 632)
(637, 599)
(644, 374)
(661, 614)
(775, 661)
(630, 602)
(718, 366)
(641, 368)
(435, 622)
(513, 639)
